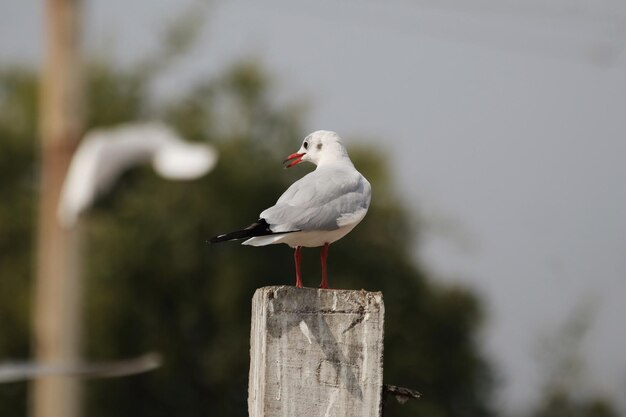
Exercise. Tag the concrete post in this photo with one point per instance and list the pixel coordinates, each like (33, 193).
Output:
(316, 353)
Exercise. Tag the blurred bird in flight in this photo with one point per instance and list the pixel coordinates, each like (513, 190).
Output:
(104, 154)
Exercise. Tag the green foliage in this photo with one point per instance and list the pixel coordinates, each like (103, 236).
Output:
(152, 283)
(565, 392)
(560, 403)
(17, 214)
(113, 96)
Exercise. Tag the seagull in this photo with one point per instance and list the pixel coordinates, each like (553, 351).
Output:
(318, 209)
(104, 154)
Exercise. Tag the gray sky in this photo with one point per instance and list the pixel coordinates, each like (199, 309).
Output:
(505, 124)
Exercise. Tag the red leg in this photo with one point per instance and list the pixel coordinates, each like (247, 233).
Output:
(298, 257)
(324, 255)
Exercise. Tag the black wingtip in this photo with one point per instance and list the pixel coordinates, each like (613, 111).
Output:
(220, 238)
(259, 228)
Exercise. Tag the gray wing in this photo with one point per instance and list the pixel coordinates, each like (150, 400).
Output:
(319, 200)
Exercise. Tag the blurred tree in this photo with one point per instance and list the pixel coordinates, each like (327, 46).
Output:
(562, 404)
(565, 389)
(153, 283)
(18, 112)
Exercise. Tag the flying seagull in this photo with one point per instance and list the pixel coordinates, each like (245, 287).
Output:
(318, 209)
(104, 154)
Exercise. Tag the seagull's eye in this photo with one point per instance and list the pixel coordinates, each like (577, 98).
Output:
(306, 145)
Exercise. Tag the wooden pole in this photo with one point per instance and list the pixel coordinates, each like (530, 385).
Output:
(316, 353)
(57, 289)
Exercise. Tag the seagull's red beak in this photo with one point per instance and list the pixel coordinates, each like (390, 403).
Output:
(293, 159)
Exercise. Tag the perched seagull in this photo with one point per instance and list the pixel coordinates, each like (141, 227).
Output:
(318, 209)
(104, 154)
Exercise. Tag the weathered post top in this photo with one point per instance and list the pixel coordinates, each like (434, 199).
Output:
(316, 353)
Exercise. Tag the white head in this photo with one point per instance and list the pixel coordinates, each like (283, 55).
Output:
(319, 147)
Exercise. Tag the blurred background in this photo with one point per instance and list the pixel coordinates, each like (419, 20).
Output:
(493, 133)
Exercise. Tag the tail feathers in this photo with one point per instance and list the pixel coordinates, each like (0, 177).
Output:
(258, 228)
